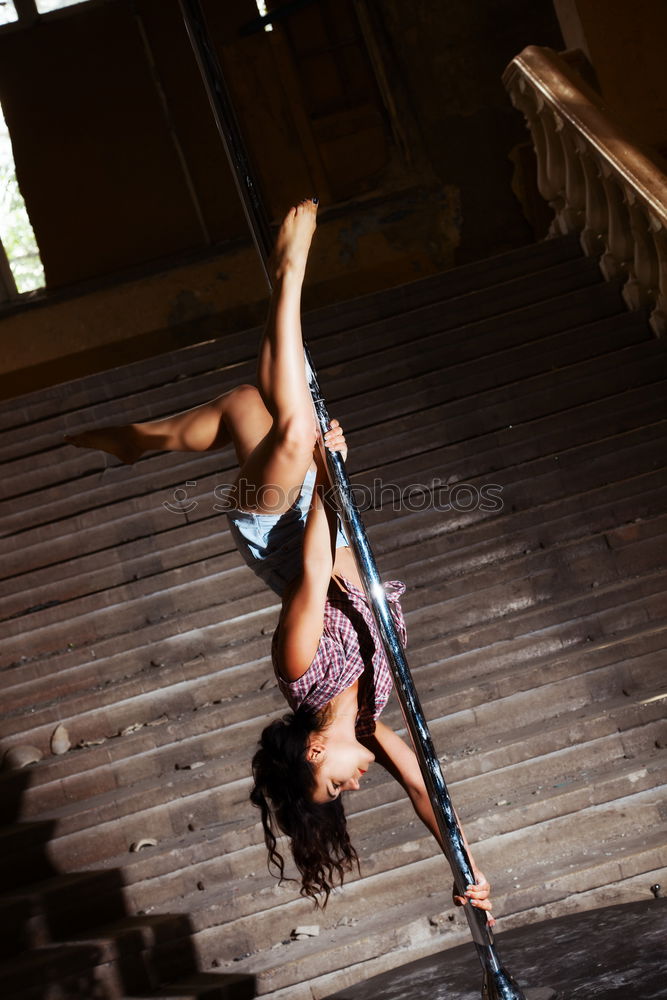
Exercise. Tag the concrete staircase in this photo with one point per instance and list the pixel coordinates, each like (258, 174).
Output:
(538, 638)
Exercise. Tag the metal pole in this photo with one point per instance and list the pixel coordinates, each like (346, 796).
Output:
(230, 132)
(497, 983)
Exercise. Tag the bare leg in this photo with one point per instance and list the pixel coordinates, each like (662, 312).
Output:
(273, 429)
(271, 475)
(201, 428)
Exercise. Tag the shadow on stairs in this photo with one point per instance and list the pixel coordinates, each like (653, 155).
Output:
(69, 936)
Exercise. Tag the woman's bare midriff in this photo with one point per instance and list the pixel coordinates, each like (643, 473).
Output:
(345, 565)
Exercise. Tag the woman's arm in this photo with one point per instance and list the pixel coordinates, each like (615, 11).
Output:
(302, 618)
(401, 762)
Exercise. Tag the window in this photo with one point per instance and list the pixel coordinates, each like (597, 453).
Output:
(7, 12)
(261, 7)
(45, 6)
(10, 15)
(16, 235)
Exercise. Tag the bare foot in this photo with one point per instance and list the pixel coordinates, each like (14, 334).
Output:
(293, 241)
(117, 441)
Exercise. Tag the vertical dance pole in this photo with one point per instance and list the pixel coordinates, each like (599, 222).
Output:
(497, 982)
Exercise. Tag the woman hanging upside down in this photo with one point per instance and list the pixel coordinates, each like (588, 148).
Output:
(327, 655)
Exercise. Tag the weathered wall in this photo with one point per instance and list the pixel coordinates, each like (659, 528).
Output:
(451, 57)
(625, 43)
(393, 113)
(69, 335)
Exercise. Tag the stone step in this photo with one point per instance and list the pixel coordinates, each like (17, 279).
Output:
(156, 881)
(427, 665)
(55, 469)
(469, 377)
(418, 465)
(390, 890)
(428, 524)
(622, 558)
(160, 751)
(450, 731)
(395, 365)
(576, 454)
(635, 802)
(149, 519)
(90, 829)
(63, 905)
(44, 441)
(400, 398)
(586, 614)
(204, 986)
(410, 435)
(537, 329)
(632, 655)
(418, 938)
(607, 416)
(549, 788)
(624, 665)
(188, 587)
(466, 278)
(357, 312)
(68, 970)
(536, 638)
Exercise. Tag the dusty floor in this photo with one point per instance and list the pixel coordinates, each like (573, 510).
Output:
(617, 953)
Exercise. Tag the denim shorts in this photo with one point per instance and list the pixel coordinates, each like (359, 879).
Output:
(272, 544)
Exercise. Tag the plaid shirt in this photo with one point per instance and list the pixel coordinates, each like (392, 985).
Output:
(350, 649)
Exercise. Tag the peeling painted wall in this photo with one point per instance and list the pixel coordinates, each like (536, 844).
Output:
(431, 127)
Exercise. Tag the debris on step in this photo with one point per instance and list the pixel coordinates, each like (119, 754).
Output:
(21, 756)
(305, 931)
(82, 744)
(131, 729)
(60, 741)
(159, 721)
(139, 845)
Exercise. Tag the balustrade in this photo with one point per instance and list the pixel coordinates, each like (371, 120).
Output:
(597, 179)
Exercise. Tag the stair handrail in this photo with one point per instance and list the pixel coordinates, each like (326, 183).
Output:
(599, 180)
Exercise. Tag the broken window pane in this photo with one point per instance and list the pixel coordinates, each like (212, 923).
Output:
(16, 234)
(7, 12)
(44, 6)
(261, 7)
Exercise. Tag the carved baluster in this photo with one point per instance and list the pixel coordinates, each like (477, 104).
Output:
(529, 104)
(596, 181)
(596, 216)
(554, 167)
(658, 319)
(639, 290)
(573, 179)
(616, 261)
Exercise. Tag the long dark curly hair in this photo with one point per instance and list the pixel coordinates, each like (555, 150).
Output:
(284, 782)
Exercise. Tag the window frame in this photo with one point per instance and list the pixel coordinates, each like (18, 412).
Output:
(28, 15)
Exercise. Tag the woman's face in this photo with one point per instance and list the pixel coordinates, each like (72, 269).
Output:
(339, 764)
